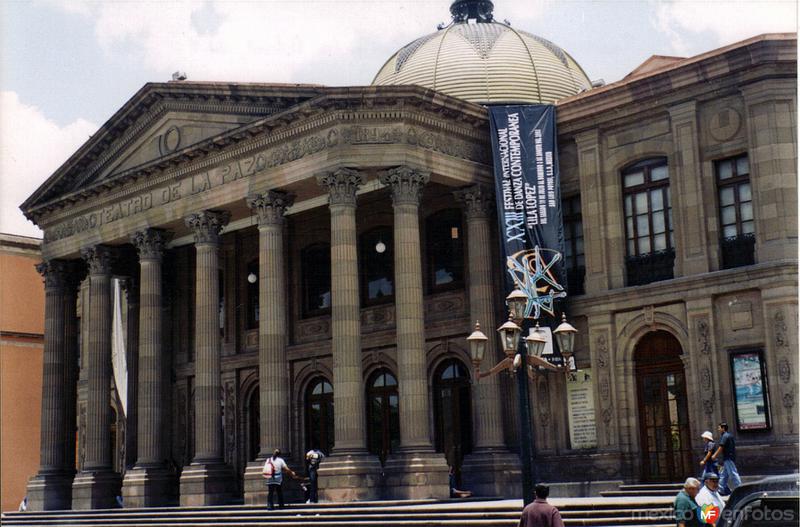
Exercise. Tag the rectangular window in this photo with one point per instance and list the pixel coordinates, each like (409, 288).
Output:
(648, 222)
(573, 244)
(737, 229)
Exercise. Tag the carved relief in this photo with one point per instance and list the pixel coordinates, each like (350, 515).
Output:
(444, 306)
(377, 318)
(602, 351)
(313, 329)
(181, 430)
(705, 378)
(649, 313)
(229, 409)
(724, 124)
(708, 406)
(82, 436)
(605, 388)
(784, 370)
(781, 339)
(702, 336)
(543, 403)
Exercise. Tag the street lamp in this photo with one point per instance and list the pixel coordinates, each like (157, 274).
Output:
(534, 346)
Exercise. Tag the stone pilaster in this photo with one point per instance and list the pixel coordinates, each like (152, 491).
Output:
(270, 208)
(51, 487)
(351, 473)
(207, 480)
(416, 471)
(149, 483)
(491, 470)
(691, 240)
(782, 360)
(96, 486)
(702, 370)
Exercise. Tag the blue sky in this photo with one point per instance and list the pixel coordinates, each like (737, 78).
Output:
(67, 66)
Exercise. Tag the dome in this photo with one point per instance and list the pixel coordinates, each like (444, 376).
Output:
(483, 61)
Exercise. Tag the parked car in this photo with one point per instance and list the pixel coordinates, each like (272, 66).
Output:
(770, 502)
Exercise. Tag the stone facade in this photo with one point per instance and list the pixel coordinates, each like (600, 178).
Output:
(219, 383)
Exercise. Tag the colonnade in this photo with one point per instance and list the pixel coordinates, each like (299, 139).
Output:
(351, 473)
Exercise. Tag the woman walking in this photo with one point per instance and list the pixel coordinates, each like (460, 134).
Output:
(273, 471)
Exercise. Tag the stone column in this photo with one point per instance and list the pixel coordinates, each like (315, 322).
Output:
(351, 473)
(273, 386)
(416, 471)
(207, 480)
(97, 485)
(149, 483)
(51, 487)
(491, 470)
(131, 288)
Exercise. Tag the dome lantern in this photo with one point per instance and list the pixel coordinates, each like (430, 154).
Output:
(478, 10)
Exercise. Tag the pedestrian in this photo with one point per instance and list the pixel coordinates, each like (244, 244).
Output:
(709, 498)
(708, 464)
(313, 458)
(727, 450)
(540, 513)
(685, 507)
(273, 470)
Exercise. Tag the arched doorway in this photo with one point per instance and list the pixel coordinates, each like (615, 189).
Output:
(253, 424)
(319, 415)
(453, 413)
(663, 410)
(383, 411)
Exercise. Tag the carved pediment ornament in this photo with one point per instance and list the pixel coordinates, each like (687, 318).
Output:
(342, 185)
(207, 225)
(477, 200)
(406, 184)
(271, 206)
(98, 258)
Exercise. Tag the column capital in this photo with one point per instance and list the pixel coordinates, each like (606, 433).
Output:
(207, 225)
(149, 243)
(477, 201)
(270, 207)
(342, 185)
(406, 184)
(59, 274)
(98, 258)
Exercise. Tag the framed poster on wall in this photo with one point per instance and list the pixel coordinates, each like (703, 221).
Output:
(750, 390)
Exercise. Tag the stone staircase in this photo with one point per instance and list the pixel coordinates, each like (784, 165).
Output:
(644, 490)
(598, 512)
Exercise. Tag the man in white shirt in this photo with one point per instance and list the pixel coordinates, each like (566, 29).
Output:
(709, 498)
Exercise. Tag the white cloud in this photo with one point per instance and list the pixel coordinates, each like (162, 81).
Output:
(32, 147)
(727, 21)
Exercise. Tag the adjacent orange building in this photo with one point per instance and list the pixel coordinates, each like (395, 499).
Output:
(21, 348)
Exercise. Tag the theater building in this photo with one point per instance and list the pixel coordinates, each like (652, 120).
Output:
(302, 265)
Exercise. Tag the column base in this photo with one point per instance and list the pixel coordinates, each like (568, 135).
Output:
(493, 473)
(96, 490)
(350, 477)
(417, 475)
(206, 484)
(149, 487)
(50, 492)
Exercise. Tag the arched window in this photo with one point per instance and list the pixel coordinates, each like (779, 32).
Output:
(445, 249)
(377, 265)
(319, 415)
(648, 221)
(453, 412)
(383, 414)
(315, 266)
(252, 294)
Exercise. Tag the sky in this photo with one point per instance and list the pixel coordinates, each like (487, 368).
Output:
(67, 65)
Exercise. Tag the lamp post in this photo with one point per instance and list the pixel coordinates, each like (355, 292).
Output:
(517, 361)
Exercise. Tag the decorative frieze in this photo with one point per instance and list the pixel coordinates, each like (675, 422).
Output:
(207, 225)
(342, 185)
(270, 207)
(406, 184)
(149, 243)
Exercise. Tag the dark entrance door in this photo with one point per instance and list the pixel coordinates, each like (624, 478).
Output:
(663, 411)
(453, 413)
(319, 416)
(383, 411)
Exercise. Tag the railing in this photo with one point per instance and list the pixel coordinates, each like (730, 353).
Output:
(648, 268)
(738, 251)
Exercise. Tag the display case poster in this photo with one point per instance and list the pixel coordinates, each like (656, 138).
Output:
(752, 409)
(580, 401)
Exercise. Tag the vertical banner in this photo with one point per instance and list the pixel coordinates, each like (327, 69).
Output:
(528, 195)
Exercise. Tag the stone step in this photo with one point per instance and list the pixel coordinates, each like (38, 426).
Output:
(653, 486)
(640, 493)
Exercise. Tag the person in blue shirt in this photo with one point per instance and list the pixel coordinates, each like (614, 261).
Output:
(727, 450)
(708, 464)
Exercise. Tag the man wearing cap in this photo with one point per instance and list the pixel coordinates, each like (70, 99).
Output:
(708, 464)
(709, 495)
(685, 508)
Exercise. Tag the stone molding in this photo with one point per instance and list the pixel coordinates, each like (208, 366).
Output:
(477, 201)
(342, 185)
(98, 258)
(149, 243)
(270, 207)
(406, 184)
(207, 225)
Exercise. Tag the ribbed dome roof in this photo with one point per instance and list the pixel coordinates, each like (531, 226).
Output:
(486, 62)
